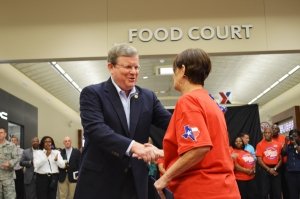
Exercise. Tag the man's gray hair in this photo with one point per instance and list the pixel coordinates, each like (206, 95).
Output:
(121, 50)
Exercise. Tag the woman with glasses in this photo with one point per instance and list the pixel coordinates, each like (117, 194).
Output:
(46, 161)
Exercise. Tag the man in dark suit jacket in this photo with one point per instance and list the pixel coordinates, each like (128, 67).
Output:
(116, 116)
(68, 176)
(27, 162)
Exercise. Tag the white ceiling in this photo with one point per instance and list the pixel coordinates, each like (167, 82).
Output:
(245, 76)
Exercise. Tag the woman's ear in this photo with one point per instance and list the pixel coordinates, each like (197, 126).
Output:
(182, 70)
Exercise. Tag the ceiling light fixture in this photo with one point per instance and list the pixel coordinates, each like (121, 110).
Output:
(275, 83)
(66, 76)
(162, 70)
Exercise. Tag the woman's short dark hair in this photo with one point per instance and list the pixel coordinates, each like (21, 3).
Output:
(197, 64)
(42, 143)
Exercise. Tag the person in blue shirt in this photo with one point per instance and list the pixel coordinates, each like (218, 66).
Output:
(248, 147)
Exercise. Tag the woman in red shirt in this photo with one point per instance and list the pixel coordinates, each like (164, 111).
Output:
(196, 147)
(244, 170)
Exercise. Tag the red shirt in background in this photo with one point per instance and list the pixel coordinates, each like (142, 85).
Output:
(270, 152)
(245, 160)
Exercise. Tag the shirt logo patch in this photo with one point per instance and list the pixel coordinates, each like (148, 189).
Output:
(190, 133)
(271, 153)
(248, 158)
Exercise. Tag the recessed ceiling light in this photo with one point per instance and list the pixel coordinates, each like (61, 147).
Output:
(165, 71)
(67, 77)
(162, 61)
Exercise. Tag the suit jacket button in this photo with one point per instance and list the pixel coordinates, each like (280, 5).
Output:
(126, 170)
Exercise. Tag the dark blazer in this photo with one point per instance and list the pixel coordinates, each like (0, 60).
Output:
(27, 162)
(107, 137)
(73, 165)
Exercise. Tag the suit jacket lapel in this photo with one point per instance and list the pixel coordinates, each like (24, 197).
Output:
(64, 154)
(135, 110)
(71, 155)
(31, 154)
(117, 104)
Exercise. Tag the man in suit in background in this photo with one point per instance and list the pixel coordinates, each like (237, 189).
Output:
(68, 176)
(27, 162)
(116, 116)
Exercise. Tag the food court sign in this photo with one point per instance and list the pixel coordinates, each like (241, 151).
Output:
(3, 115)
(193, 33)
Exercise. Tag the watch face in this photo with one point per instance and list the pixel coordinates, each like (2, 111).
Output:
(264, 125)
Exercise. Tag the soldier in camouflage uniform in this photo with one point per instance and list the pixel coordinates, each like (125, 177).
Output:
(8, 159)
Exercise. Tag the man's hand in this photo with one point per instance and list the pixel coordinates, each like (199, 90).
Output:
(55, 159)
(5, 165)
(147, 152)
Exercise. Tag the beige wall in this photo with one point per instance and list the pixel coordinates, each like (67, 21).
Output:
(54, 117)
(81, 29)
(56, 29)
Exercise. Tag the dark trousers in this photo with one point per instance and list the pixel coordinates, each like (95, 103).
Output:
(293, 183)
(284, 186)
(19, 184)
(128, 189)
(247, 188)
(270, 186)
(46, 186)
(30, 189)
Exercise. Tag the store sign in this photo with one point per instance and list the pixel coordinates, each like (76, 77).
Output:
(193, 33)
(3, 115)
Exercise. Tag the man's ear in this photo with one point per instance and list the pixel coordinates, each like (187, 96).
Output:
(110, 66)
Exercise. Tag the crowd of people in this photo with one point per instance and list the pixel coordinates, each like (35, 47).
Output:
(39, 172)
(196, 160)
(272, 172)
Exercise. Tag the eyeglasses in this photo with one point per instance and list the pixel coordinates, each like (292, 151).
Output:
(129, 68)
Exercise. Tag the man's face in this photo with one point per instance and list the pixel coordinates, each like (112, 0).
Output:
(67, 142)
(246, 139)
(35, 143)
(268, 134)
(125, 72)
(276, 130)
(15, 141)
(2, 134)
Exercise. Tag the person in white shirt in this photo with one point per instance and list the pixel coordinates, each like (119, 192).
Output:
(46, 162)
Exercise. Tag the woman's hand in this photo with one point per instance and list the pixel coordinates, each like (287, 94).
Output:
(160, 184)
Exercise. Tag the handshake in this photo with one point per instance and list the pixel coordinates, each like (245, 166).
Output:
(147, 152)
